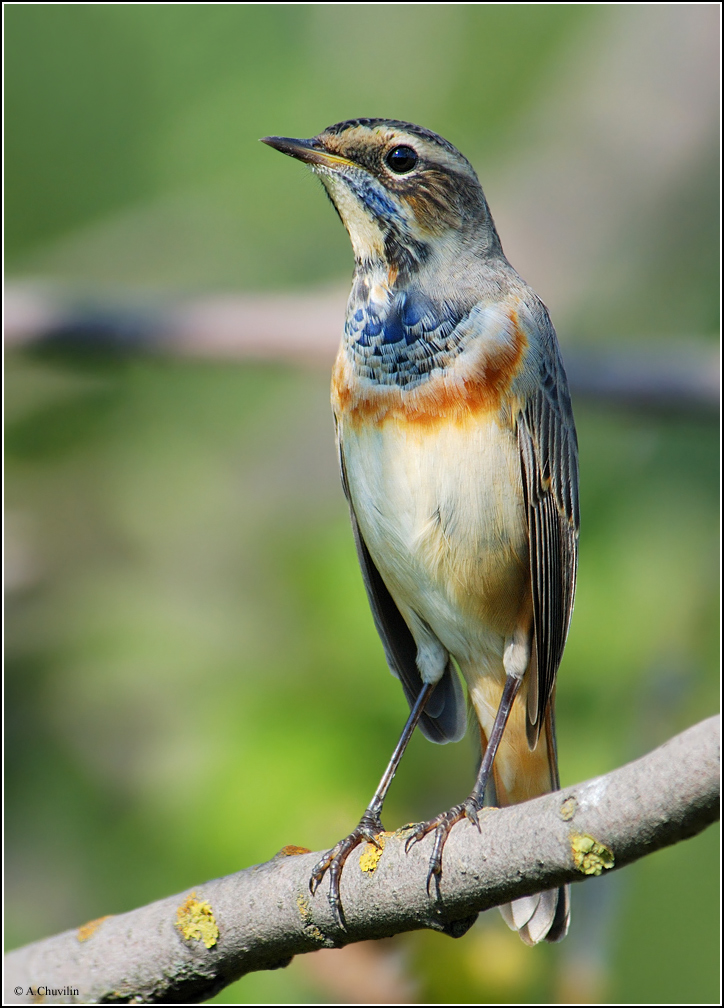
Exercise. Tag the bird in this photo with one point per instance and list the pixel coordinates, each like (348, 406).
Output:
(459, 461)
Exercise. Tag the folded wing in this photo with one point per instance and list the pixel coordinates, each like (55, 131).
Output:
(549, 458)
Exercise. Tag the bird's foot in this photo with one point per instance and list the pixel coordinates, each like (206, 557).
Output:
(442, 824)
(333, 861)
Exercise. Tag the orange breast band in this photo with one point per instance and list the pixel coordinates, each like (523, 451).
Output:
(477, 382)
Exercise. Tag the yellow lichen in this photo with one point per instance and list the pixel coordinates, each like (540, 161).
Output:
(370, 856)
(304, 910)
(590, 856)
(568, 809)
(291, 850)
(88, 930)
(305, 913)
(195, 919)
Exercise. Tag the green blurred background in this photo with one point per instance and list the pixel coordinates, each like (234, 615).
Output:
(189, 645)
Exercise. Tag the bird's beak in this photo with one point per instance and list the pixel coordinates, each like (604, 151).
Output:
(310, 151)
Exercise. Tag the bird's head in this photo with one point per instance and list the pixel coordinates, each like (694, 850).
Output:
(407, 197)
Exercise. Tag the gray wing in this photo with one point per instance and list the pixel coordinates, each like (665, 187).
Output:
(444, 718)
(549, 457)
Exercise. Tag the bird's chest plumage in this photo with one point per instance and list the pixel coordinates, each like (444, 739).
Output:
(433, 471)
(441, 512)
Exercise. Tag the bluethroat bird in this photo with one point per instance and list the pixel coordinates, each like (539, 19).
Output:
(459, 460)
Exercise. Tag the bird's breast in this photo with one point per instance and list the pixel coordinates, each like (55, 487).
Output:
(434, 476)
(441, 511)
(428, 381)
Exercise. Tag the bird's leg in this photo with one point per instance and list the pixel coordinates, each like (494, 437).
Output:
(443, 823)
(370, 824)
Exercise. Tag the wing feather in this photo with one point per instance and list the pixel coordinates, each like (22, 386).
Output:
(549, 462)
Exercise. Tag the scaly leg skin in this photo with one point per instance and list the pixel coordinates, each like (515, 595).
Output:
(469, 809)
(333, 861)
(370, 825)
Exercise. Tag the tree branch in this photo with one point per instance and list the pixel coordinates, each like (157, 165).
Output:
(261, 917)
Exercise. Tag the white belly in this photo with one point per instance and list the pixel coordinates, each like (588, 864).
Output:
(440, 508)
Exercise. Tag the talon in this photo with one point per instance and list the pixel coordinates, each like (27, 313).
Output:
(433, 873)
(471, 813)
(415, 838)
(334, 861)
(441, 824)
(336, 903)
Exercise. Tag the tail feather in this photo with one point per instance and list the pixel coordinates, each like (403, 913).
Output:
(543, 916)
(517, 914)
(559, 927)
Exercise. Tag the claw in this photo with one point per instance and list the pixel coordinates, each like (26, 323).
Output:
(442, 824)
(471, 814)
(319, 870)
(416, 837)
(433, 874)
(334, 861)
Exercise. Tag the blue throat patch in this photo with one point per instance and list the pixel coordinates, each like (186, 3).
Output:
(402, 343)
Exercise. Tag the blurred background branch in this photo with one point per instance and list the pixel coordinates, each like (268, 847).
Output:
(258, 919)
(305, 328)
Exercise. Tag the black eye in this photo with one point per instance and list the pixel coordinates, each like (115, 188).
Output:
(401, 160)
